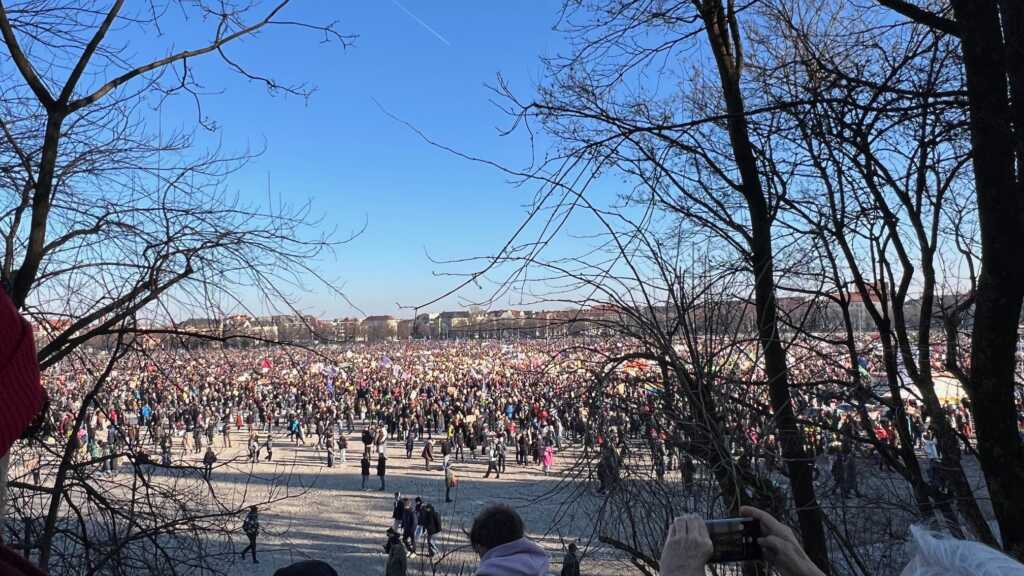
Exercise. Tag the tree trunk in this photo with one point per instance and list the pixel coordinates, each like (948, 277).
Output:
(724, 37)
(42, 196)
(997, 306)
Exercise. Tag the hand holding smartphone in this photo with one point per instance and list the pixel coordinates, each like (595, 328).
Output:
(734, 539)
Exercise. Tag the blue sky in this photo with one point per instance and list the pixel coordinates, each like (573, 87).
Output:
(340, 151)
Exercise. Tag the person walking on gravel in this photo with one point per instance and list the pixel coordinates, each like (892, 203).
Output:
(364, 464)
(251, 527)
(382, 468)
(449, 478)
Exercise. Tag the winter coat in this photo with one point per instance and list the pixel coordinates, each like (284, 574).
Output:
(431, 520)
(396, 565)
(408, 521)
(382, 466)
(549, 456)
(365, 465)
(570, 565)
(251, 526)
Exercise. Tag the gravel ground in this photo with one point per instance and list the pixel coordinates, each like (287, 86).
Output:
(337, 522)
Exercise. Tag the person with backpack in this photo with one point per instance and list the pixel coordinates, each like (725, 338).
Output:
(251, 527)
(431, 522)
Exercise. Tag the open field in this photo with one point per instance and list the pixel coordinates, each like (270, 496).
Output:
(339, 523)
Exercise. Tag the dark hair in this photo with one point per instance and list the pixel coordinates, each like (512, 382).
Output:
(307, 568)
(496, 525)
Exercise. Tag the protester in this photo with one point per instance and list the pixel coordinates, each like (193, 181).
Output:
(382, 468)
(251, 527)
(397, 512)
(450, 480)
(431, 522)
(428, 454)
(208, 460)
(571, 562)
(492, 461)
(364, 465)
(408, 526)
(396, 564)
(549, 459)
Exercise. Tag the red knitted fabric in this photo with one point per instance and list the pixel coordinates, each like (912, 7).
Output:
(21, 395)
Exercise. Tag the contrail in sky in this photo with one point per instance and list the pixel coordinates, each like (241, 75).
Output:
(422, 23)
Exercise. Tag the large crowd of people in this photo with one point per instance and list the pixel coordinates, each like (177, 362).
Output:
(444, 402)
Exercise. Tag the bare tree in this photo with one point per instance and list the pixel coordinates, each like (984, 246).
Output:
(703, 158)
(990, 34)
(885, 144)
(114, 231)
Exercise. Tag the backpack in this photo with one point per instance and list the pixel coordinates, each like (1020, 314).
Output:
(251, 526)
(434, 522)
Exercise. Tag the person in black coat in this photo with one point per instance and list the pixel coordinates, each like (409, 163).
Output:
(397, 509)
(365, 465)
(408, 526)
(571, 562)
(431, 522)
(382, 469)
(367, 438)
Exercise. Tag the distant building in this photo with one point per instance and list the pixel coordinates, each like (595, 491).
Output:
(379, 328)
(346, 330)
(405, 329)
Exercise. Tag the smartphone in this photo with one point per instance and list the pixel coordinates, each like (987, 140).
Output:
(734, 539)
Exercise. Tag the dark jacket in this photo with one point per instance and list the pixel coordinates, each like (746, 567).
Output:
(251, 526)
(430, 519)
(408, 521)
(365, 465)
(382, 465)
(396, 564)
(570, 565)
